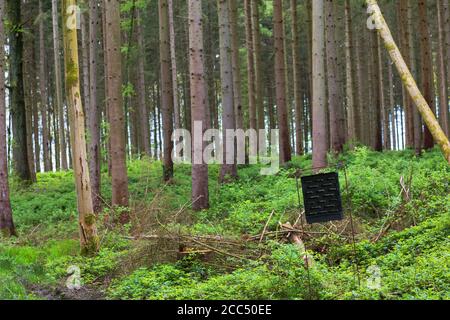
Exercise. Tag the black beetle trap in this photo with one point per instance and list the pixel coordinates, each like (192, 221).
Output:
(322, 198)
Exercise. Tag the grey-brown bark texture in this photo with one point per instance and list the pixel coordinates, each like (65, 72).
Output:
(16, 91)
(200, 195)
(58, 86)
(6, 219)
(280, 82)
(320, 144)
(229, 169)
(166, 88)
(94, 112)
(115, 104)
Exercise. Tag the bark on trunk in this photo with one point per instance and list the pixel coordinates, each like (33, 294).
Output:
(239, 117)
(115, 105)
(166, 88)
(299, 107)
(318, 89)
(94, 113)
(7, 228)
(200, 195)
(88, 232)
(228, 170)
(280, 78)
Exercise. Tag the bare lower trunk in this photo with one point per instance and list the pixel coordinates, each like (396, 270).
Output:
(59, 108)
(6, 220)
(426, 66)
(115, 105)
(142, 92)
(236, 65)
(299, 107)
(318, 90)
(166, 88)
(88, 231)
(200, 195)
(334, 95)
(443, 92)
(250, 67)
(94, 113)
(173, 59)
(280, 78)
(229, 169)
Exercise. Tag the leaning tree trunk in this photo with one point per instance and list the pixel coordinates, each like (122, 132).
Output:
(408, 80)
(318, 91)
(229, 169)
(6, 220)
(200, 195)
(280, 78)
(166, 87)
(88, 231)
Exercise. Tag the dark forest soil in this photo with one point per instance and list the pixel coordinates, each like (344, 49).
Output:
(63, 293)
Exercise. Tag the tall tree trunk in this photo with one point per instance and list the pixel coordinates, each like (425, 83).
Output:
(256, 36)
(173, 59)
(377, 134)
(58, 86)
(29, 84)
(18, 110)
(446, 23)
(349, 72)
(383, 109)
(251, 79)
(94, 113)
(426, 67)
(236, 65)
(166, 88)
(229, 169)
(43, 91)
(142, 91)
(6, 219)
(280, 78)
(299, 107)
(392, 108)
(318, 89)
(200, 195)
(88, 231)
(115, 105)
(337, 133)
(443, 86)
(416, 129)
(406, 76)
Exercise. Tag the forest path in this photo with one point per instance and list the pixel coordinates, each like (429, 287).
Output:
(60, 292)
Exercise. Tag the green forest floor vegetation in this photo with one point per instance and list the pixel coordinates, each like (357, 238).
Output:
(400, 203)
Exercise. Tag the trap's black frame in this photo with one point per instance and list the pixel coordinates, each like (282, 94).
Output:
(322, 197)
(314, 170)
